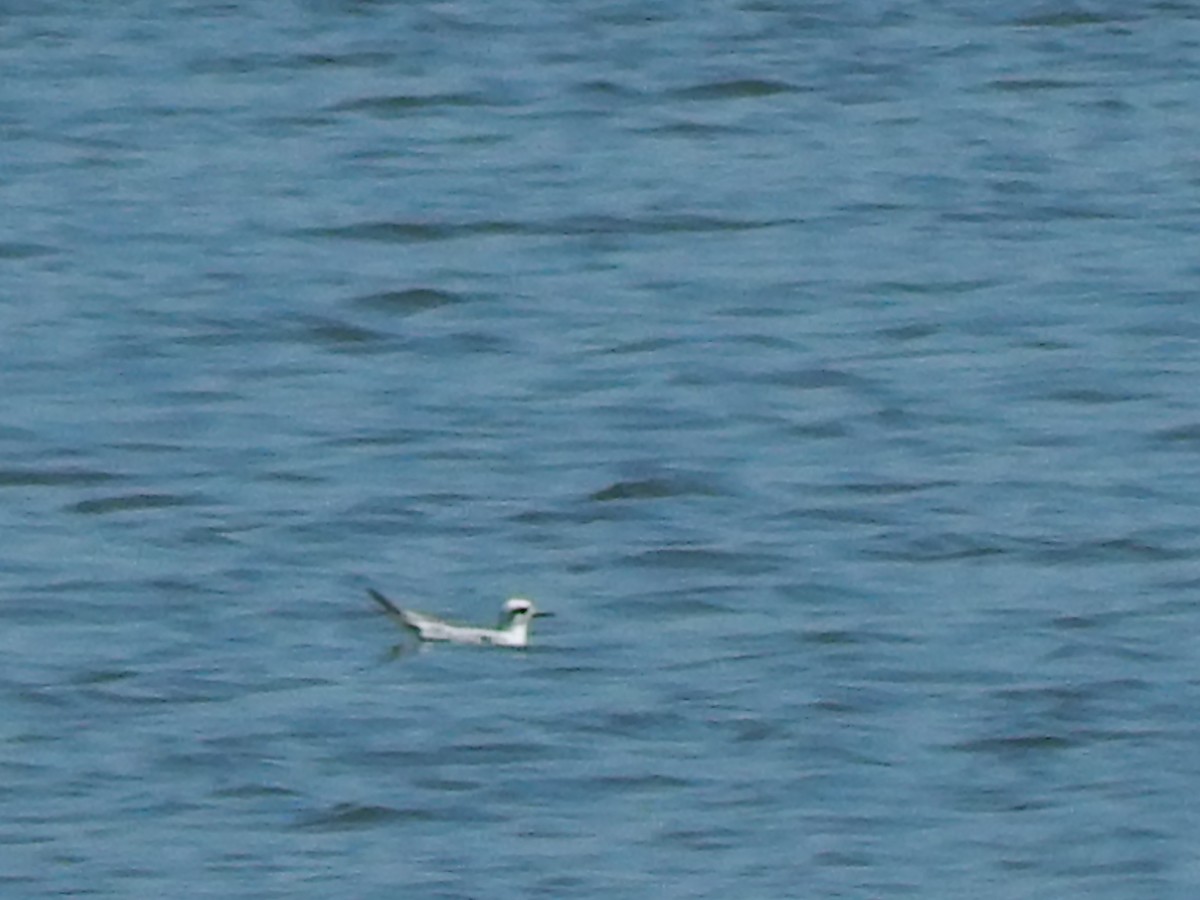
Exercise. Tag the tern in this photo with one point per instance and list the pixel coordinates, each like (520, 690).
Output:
(513, 630)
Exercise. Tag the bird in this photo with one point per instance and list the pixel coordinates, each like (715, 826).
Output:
(512, 631)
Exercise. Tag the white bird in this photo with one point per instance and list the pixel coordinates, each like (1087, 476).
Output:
(513, 630)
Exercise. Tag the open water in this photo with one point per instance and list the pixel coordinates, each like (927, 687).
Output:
(830, 369)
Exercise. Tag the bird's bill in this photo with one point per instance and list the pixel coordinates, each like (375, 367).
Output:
(543, 615)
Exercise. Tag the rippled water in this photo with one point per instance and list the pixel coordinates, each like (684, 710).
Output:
(830, 370)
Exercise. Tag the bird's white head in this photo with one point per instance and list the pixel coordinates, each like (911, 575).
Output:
(519, 607)
(520, 611)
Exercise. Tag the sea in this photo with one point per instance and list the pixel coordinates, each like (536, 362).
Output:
(831, 371)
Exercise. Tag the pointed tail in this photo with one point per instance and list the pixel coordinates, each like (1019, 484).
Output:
(388, 606)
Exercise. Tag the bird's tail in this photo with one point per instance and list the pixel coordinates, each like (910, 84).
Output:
(388, 606)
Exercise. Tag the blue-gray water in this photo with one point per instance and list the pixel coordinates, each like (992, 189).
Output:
(831, 370)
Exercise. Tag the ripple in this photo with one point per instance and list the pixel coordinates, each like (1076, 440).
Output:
(491, 754)
(645, 345)
(409, 232)
(1121, 549)
(951, 546)
(701, 130)
(413, 232)
(353, 816)
(1188, 435)
(399, 105)
(941, 548)
(815, 378)
(338, 335)
(53, 477)
(1017, 745)
(100, 677)
(654, 489)
(642, 724)
(1092, 396)
(664, 224)
(701, 838)
(255, 791)
(1027, 85)
(888, 488)
(407, 303)
(1071, 19)
(935, 288)
(364, 59)
(602, 87)
(134, 503)
(735, 89)
(19, 250)
(695, 558)
(640, 784)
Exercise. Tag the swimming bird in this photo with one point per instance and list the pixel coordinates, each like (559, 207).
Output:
(513, 630)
